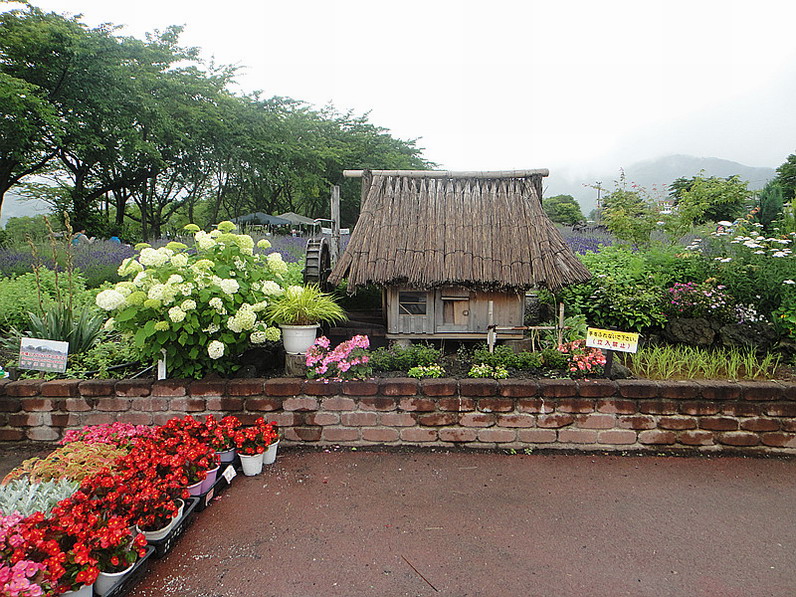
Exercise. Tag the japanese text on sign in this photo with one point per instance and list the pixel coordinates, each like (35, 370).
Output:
(612, 340)
(43, 355)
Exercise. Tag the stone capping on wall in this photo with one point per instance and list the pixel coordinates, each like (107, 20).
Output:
(599, 414)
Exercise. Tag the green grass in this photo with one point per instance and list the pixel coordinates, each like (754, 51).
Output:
(687, 362)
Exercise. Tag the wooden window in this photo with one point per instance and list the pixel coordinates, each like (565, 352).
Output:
(412, 303)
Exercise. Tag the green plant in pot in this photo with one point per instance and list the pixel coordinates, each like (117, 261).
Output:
(299, 311)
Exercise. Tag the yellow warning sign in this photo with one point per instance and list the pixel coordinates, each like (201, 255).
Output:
(612, 340)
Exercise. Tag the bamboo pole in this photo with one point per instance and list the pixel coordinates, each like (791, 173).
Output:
(451, 173)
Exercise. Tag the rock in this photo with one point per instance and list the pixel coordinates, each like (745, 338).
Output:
(760, 336)
(619, 371)
(696, 331)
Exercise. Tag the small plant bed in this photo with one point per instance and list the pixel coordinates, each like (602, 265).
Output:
(110, 497)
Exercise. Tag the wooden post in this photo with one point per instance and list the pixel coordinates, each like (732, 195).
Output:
(335, 245)
(560, 323)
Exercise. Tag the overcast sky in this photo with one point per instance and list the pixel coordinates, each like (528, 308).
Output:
(577, 85)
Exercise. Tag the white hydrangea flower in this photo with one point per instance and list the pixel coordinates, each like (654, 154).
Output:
(215, 233)
(212, 328)
(273, 334)
(263, 244)
(110, 299)
(246, 317)
(272, 288)
(215, 349)
(140, 278)
(234, 325)
(175, 279)
(216, 303)
(125, 288)
(229, 286)
(276, 263)
(258, 337)
(154, 257)
(179, 260)
(188, 305)
(204, 241)
(157, 292)
(257, 307)
(129, 266)
(186, 289)
(176, 314)
(108, 325)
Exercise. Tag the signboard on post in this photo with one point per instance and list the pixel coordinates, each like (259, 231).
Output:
(43, 355)
(612, 340)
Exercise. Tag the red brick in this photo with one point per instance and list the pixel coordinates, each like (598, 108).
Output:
(25, 419)
(300, 404)
(788, 425)
(779, 440)
(577, 436)
(537, 436)
(61, 388)
(596, 388)
(149, 404)
(739, 439)
(360, 388)
(595, 421)
(696, 438)
(657, 437)
(322, 418)
(113, 404)
(617, 437)
(10, 404)
(187, 405)
(788, 390)
(135, 418)
(457, 434)
(37, 404)
(761, 390)
(616, 406)
(658, 407)
(224, 404)
(284, 386)
(133, 387)
(3, 383)
(743, 409)
(77, 405)
(478, 387)
(497, 436)
(575, 405)
(516, 421)
(11, 435)
(477, 420)
(784, 409)
(719, 390)
(359, 419)
(160, 418)
(399, 386)
(338, 403)
(678, 390)
(303, 434)
(718, 423)
(495, 405)
(558, 388)
(168, 387)
(380, 434)
(439, 387)
(263, 404)
(699, 407)
(98, 387)
(65, 420)
(317, 387)
(636, 422)
(518, 388)
(245, 387)
(378, 403)
(677, 423)
(535, 405)
(340, 434)
(398, 419)
(207, 387)
(760, 424)
(24, 387)
(99, 419)
(554, 421)
(437, 419)
(637, 388)
(43, 434)
(458, 405)
(418, 435)
(417, 404)
(281, 419)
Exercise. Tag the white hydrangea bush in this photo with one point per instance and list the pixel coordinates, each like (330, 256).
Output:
(203, 305)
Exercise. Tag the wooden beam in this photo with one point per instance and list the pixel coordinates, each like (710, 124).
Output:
(451, 173)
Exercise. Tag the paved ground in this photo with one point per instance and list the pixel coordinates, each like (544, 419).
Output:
(487, 524)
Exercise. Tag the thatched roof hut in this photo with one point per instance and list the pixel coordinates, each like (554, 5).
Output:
(480, 230)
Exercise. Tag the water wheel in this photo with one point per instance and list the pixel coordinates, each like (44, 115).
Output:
(317, 262)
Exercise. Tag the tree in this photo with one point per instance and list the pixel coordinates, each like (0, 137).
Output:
(769, 204)
(562, 209)
(786, 178)
(700, 199)
(628, 215)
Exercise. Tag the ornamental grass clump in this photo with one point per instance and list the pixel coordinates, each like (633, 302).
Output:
(304, 305)
(203, 305)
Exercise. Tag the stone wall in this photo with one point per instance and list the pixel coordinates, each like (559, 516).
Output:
(545, 413)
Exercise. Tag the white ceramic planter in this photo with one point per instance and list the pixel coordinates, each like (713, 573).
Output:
(269, 456)
(158, 534)
(252, 464)
(298, 338)
(106, 580)
(83, 591)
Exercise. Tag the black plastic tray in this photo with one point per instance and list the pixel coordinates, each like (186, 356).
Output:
(163, 546)
(216, 489)
(129, 580)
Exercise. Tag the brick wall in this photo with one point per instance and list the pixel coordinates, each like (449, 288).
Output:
(545, 413)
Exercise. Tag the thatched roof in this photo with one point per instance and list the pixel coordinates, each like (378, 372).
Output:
(430, 229)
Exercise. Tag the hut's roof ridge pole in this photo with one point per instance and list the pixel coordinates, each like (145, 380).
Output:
(451, 173)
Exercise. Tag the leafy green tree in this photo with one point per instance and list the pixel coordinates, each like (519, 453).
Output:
(786, 177)
(628, 215)
(562, 209)
(703, 199)
(770, 204)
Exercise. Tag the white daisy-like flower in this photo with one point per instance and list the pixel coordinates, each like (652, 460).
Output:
(215, 349)
(110, 299)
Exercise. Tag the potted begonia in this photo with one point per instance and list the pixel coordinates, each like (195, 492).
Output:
(251, 443)
(299, 311)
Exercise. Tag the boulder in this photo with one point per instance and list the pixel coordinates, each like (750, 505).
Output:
(696, 331)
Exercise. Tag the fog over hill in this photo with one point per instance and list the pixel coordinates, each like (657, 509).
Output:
(15, 207)
(659, 172)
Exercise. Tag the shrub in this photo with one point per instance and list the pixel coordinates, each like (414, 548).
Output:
(701, 300)
(398, 358)
(434, 371)
(529, 361)
(502, 355)
(483, 370)
(553, 359)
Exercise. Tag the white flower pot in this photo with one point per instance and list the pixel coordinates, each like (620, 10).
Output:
(298, 338)
(106, 580)
(269, 456)
(83, 591)
(252, 464)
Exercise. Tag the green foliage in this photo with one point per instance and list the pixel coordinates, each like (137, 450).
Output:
(700, 199)
(403, 358)
(115, 350)
(786, 177)
(628, 214)
(21, 228)
(553, 359)
(304, 305)
(502, 356)
(687, 362)
(434, 371)
(483, 370)
(22, 496)
(82, 329)
(770, 204)
(562, 209)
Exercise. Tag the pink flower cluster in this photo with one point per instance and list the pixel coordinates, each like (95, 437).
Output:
(582, 358)
(23, 577)
(348, 360)
(116, 434)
